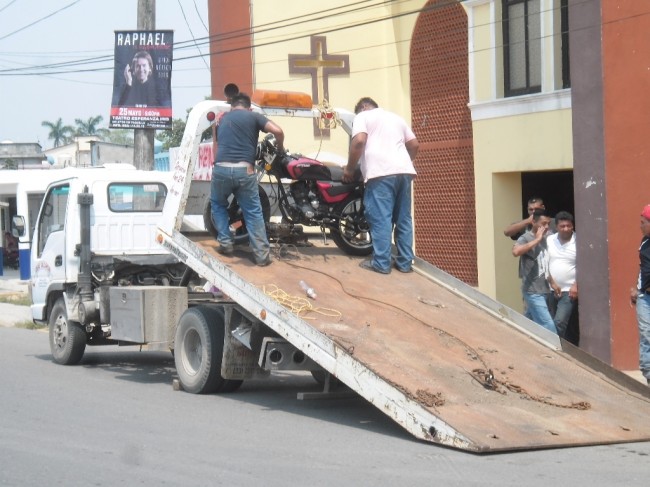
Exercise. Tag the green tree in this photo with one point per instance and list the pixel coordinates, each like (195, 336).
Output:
(10, 164)
(91, 126)
(120, 136)
(173, 137)
(59, 133)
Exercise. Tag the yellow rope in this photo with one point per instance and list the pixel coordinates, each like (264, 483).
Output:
(298, 305)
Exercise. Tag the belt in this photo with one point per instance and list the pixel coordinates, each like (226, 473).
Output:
(234, 164)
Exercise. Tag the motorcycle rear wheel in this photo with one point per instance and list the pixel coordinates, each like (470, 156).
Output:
(236, 217)
(352, 232)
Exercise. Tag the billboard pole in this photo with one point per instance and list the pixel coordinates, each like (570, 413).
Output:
(143, 138)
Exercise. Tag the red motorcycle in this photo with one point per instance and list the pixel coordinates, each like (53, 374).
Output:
(307, 192)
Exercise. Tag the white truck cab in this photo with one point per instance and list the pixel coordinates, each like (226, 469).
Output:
(124, 206)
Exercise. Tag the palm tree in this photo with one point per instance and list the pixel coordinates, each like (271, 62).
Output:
(59, 133)
(89, 127)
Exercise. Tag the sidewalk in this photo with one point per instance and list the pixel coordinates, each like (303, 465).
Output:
(10, 281)
(10, 285)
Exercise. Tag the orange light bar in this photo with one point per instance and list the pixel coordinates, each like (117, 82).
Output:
(281, 99)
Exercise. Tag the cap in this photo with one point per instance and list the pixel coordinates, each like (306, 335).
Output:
(646, 212)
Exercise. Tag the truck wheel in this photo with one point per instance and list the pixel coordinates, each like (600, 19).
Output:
(67, 338)
(352, 232)
(236, 217)
(199, 349)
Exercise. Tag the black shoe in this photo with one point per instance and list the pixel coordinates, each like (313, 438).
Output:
(367, 264)
(225, 249)
(405, 271)
(263, 263)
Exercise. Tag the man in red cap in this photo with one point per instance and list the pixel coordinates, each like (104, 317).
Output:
(640, 295)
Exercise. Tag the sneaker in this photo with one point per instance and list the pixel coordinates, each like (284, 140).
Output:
(367, 264)
(225, 249)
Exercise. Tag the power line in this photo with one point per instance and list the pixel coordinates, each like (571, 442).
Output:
(192, 34)
(25, 71)
(39, 20)
(179, 46)
(198, 14)
(273, 25)
(8, 5)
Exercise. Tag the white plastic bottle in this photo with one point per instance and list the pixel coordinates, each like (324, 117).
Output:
(308, 290)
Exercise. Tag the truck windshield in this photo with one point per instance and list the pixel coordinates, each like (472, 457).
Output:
(136, 197)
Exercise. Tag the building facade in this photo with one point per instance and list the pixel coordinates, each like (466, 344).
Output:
(21, 155)
(502, 110)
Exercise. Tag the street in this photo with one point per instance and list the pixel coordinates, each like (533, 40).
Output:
(116, 420)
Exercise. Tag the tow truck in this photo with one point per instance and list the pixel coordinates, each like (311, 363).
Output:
(449, 364)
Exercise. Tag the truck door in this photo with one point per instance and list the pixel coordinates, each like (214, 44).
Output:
(48, 251)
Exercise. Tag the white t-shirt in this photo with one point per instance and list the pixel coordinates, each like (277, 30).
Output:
(385, 153)
(562, 261)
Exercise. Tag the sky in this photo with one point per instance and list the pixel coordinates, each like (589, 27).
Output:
(34, 33)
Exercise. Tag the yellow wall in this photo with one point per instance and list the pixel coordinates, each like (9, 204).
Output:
(503, 148)
(379, 58)
(482, 57)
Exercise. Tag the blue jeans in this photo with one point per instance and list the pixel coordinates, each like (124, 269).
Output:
(563, 309)
(537, 310)
(643, 317)
(387, 202)
(237, 181)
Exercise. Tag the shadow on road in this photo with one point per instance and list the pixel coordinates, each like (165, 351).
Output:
(277, 393)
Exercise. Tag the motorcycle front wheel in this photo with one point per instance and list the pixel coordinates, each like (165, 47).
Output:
(352, 232)
(236, 217)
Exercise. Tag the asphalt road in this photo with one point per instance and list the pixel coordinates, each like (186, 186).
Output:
(116, 420)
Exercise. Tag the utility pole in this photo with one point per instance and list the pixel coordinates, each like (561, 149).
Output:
(143, 138)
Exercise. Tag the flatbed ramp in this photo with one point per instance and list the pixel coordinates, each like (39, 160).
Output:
(447, 363)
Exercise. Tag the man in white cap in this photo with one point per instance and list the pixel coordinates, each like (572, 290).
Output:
(640, 295)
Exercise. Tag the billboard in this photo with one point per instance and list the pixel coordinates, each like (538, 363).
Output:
(142, 80)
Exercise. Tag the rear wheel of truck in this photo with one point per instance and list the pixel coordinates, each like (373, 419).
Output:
(199, 349)
(67, 338)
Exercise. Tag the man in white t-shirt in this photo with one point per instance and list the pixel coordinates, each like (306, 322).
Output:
(384, 146)
(562, 270)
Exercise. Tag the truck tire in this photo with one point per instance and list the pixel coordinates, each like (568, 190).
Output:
(67, 338)
(198, 351)
(236, 218)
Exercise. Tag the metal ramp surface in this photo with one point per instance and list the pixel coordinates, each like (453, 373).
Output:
(449, 364)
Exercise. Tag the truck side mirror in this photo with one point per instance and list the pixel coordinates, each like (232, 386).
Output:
(18, 226)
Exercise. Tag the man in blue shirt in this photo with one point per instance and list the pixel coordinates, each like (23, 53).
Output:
(234, 173)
